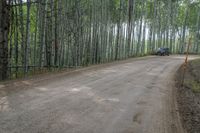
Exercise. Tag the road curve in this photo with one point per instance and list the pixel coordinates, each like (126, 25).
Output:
(132, 96)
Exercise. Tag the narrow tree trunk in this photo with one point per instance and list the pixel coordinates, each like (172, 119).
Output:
(118, 33)
(197, 36)
(183, 43)
(4, 31)
(139, 45)
(154, 25)
(131, 5)
(27, 36)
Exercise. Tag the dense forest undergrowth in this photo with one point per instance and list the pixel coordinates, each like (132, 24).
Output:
(38, 35)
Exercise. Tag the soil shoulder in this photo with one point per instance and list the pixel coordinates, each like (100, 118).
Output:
(188, 97)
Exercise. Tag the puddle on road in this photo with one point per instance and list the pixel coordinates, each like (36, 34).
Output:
(2, 86)
(41, 88)
(79, 89)
(101, 100)
(4, 104)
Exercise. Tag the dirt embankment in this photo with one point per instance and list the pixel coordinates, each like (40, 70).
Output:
(188, 97)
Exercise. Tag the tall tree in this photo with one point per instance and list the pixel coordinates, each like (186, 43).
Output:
(52, 34)
(4, 32)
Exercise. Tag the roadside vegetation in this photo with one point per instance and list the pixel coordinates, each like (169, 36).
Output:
(39, 35)
(189, 97)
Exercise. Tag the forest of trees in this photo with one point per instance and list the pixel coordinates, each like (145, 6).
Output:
(55, 34)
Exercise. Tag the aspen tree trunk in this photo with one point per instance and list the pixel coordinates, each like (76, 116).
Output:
(159, 27)
(118, 33)
(143, 47)
(197, 36)
(150, 47)
(131, 5)
(22, 32)
(4, 31)
(154, 25)
(16, 38)
(27, 37)
(139, 45)
(56, 32)
(172, 29)
(183, 43)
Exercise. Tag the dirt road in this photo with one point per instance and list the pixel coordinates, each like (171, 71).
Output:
(133, 96)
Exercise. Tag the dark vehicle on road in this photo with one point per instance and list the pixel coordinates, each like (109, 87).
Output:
(163, 51)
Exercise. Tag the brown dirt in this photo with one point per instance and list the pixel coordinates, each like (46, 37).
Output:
(188, 97)
(132, 96)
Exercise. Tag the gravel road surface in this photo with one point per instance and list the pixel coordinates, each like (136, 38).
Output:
(132, 96)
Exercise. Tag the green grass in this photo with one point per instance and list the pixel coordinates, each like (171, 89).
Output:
(195, 62)
(195, 83)
(195, 86)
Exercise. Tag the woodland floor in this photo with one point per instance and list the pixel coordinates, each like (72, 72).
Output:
(189, 97)
(131, 96)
